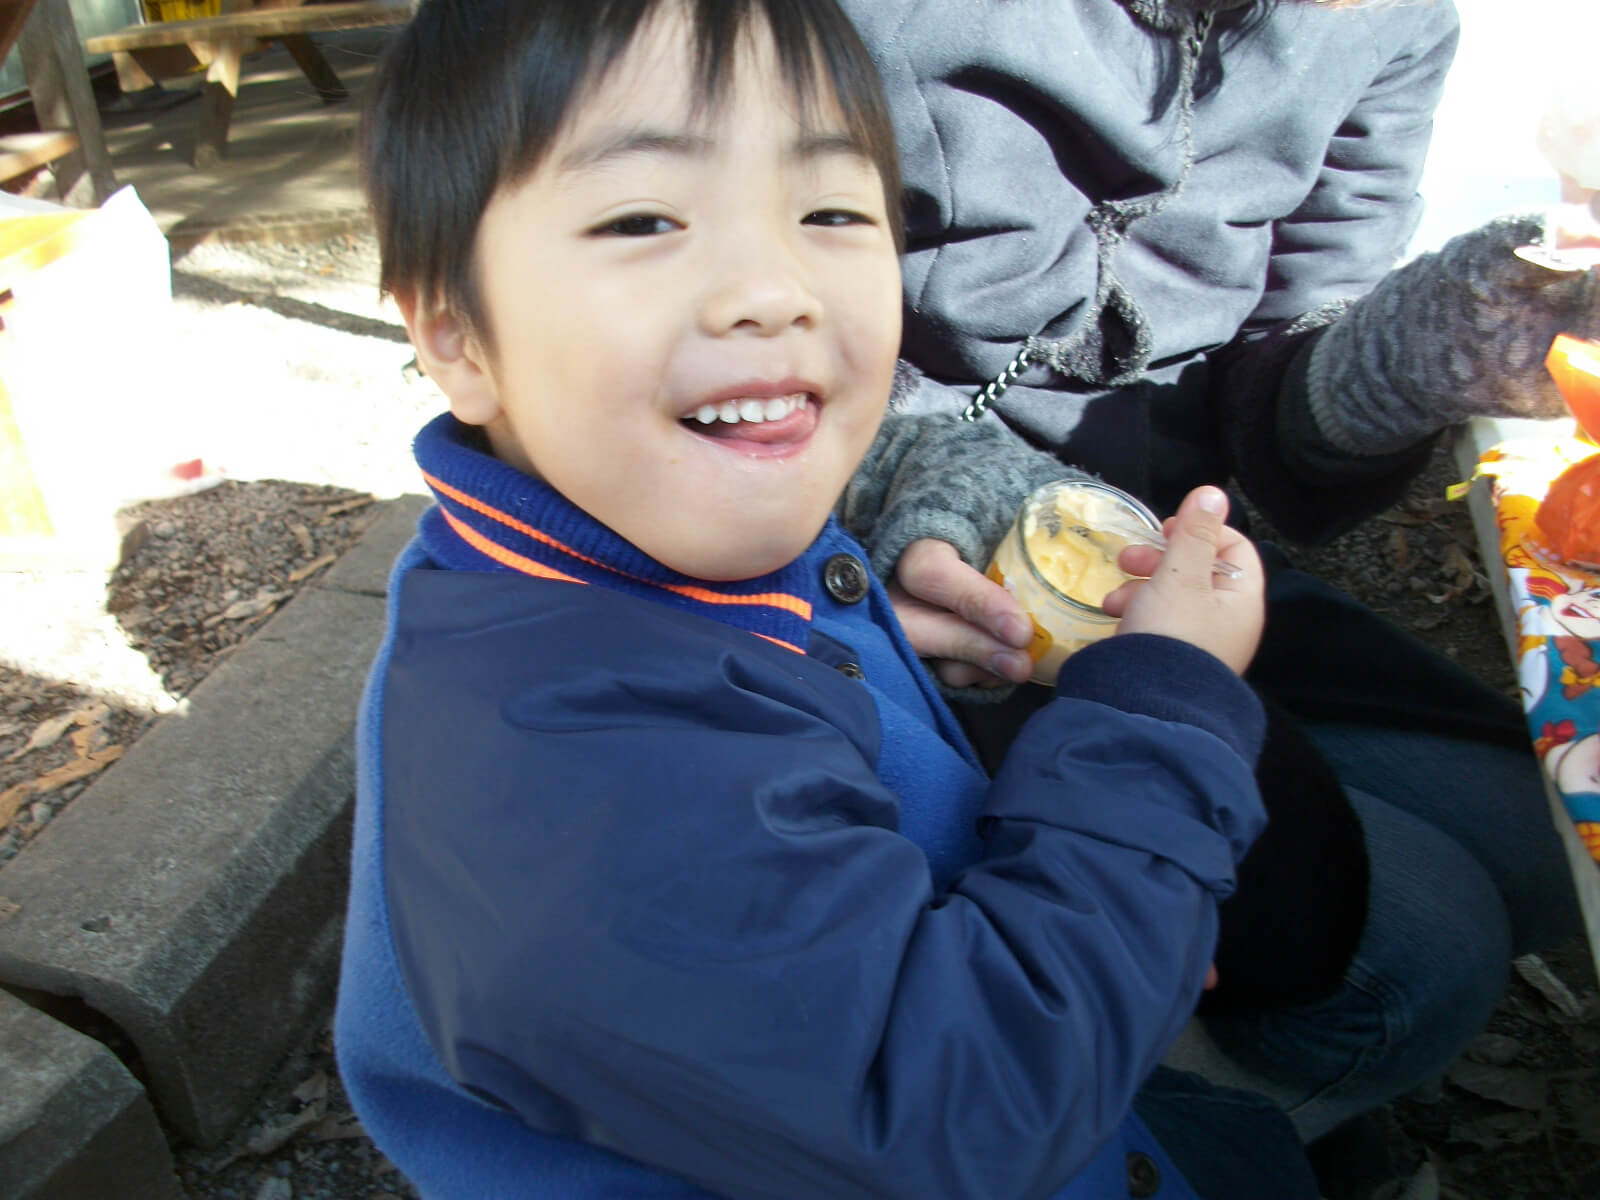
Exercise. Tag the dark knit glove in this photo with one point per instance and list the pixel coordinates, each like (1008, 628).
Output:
(930, 475)
(1459, 333)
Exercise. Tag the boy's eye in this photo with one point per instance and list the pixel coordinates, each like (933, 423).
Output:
(834, 217)
(636, 225)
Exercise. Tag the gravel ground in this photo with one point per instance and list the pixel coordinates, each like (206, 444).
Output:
(314, 433)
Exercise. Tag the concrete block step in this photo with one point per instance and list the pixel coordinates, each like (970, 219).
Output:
(74, 1124)
(194, 894)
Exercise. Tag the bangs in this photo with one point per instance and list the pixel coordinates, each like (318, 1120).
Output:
(471, 96)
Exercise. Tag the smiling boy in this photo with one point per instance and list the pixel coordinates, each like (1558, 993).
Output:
(674, 876)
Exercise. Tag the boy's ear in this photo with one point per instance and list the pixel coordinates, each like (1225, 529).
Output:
(452, 356)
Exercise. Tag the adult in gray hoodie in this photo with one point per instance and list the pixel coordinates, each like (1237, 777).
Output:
(1155, 240)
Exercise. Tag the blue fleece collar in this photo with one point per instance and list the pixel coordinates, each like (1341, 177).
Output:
(492, 517)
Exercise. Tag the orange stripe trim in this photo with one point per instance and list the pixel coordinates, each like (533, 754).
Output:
(779, 600)
(503, 556)
(518, 563)
(781, 642)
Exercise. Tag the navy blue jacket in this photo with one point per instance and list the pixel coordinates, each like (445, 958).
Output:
(645, 905)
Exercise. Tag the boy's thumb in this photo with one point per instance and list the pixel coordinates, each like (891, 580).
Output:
(1211, 500)
(1192, 542)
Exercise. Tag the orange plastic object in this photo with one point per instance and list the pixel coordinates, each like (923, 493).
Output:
(1574, 363)
(1569, 514)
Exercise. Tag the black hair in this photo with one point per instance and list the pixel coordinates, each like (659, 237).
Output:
(471, 94)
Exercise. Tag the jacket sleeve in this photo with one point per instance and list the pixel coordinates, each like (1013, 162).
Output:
(669, 912)
(1345, 237)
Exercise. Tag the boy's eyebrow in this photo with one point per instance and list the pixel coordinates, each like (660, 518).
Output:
(603, 149)
(626, 143)
(819, 145)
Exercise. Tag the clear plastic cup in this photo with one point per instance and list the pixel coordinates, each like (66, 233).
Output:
(1059, 559)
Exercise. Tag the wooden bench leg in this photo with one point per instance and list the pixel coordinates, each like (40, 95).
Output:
(222, 85)
(309, 59)
(52, 62)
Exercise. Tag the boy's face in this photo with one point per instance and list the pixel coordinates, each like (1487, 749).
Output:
(694, 318)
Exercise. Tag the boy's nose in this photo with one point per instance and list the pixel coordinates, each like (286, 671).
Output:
(761, 294)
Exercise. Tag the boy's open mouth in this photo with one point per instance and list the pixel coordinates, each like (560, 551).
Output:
(769, 421)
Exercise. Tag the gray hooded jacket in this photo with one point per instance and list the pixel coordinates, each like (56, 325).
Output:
(1160, 221)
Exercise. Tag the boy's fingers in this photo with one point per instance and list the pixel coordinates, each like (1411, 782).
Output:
(1139, 560)
(1117, 600)
(932, 571)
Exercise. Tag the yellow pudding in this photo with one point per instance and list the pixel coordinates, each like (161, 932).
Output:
(1060, 561)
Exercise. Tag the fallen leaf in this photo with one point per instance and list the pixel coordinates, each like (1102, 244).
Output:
(1399, 549)
(93, 714)
(271, 1137)
(1401, 517)
(87, 739)
(301, 535)
(311, 568)
(348, 506)
(79, 768)
(45, 734)
(1532, 968)
(336, 1127)
(8, 908)
(1458, 564)
(1507, 1085)
(1496, 1049)
(312, 1087)
(239, 610)
(335, 499)
(1490, 1133)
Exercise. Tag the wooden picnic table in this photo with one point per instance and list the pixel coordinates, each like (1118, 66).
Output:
(145, 54)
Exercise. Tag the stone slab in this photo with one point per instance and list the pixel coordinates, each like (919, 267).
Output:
(193, 895)
(74, 1124)
(364, 568)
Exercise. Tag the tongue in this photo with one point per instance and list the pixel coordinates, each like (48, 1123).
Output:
(790, 429)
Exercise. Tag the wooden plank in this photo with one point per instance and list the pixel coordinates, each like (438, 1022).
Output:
(58, 82)
(22, 152)
(309, 59)
(222, 85)
(141, 68)
(262, 23)
(13, 15)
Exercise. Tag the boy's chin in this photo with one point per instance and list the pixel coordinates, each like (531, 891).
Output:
(733, 559)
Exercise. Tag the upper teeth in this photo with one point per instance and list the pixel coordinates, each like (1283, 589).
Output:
(754, 411)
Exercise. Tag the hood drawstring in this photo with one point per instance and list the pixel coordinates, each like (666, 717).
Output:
(1112, 346)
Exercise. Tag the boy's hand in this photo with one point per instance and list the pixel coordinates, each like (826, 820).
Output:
(1183, 598)
(973, 629)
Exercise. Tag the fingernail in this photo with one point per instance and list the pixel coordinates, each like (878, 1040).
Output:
(1014, 630)
(1211, 500)
(1011, 665)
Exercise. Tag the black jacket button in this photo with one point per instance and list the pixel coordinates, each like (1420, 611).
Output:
(1144, 1177)
(845, 577)
(852, 670)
